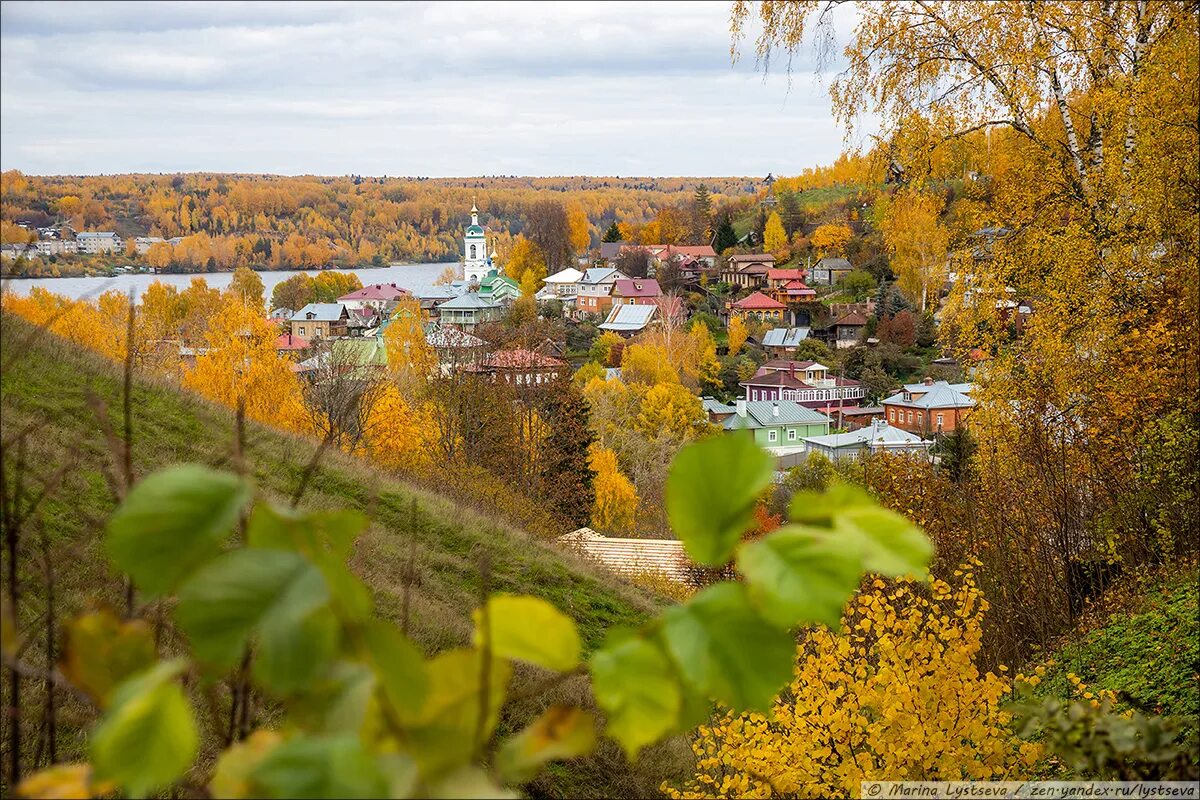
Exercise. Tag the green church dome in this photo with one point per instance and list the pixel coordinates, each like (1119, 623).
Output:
(474, 230)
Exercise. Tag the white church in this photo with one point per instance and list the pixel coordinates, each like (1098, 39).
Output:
(477, 262)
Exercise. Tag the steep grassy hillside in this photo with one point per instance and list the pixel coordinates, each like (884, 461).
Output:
(45, 386)
(1146, 649)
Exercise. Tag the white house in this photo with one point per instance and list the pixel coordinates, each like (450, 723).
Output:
(564, 283)
(92, 242)
(878, 437)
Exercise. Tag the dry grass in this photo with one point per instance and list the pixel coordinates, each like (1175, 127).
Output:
(47, 385)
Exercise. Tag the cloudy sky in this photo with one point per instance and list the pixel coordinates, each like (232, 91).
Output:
(434, 89)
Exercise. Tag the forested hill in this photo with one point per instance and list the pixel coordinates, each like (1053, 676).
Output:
(309, 220)
(46, 384)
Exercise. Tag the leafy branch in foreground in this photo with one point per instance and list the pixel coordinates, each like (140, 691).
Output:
(365, 714)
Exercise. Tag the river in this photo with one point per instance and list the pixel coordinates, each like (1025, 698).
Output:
(414, 277)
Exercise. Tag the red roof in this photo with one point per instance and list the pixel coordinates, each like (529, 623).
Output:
(785, 275)
(758, 301)
(799, 289)
(636, 287)
(376, 291)
(290, 342)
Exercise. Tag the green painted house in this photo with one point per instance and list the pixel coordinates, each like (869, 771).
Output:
(498, 288)
(779, 426)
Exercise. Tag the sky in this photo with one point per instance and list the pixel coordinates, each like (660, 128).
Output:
(431, 89)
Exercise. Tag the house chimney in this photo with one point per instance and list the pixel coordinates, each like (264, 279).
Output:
(775, 409)
(741, 407)
(928, 381)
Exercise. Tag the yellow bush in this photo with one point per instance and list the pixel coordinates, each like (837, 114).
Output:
(894, 695)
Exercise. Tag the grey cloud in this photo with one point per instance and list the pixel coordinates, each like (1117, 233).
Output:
(430, 89)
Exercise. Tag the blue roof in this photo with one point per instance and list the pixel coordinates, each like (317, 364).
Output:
(321, 312)
(628, 318)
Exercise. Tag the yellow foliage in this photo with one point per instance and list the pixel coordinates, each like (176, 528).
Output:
(525, 258)
(775, 238)
(894, 695)
(648, 364)
(240, 362)
(397, 431)
(669, 407)
(737, 335)
(830, 240)
(616, 499)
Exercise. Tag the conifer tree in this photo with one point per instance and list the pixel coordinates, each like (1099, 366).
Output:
(726, 235)
(613, 234)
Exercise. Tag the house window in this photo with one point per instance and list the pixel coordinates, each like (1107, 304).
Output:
(772, 435)
(791, 434)
(910, 418)
(920, 417)
(892, 414)
(939, 422)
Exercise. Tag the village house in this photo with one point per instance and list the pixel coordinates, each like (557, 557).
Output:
(878, 437)
(56, 247)
(92, 242)
(468, 311)
(289, 343)
(854, 418)
(564, 283)
(453, 347)
(758, 307)
(779, 342)
(520, 367)
(499, 289)
(930, 407)
(433, 297)
(635, 292)
(804, 382)
(846, 331)
(381, 297)
(595, 290)
(747, 270)
(788, 286)
(142, 244)
(320, 321)
(829, 270)
(629, 319)
(779, 426)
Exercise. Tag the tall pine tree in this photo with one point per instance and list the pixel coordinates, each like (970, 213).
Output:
(613, 234)
(726, 235)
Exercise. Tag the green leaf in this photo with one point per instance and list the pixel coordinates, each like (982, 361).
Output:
(290, 656)
(342, 700)
(232, 775)
(560, 732)
(320, 766)
(398, 665)
(308, 533)
(147, 739)
(172, 522)
(799, 574)
(889, 544)
(443, 734)
(820, 508)
(243, 591)
(468, 783)
(635, 687)
(324, 538)
(100, 651)
(711, 492)
(724, 649)
(530, 629)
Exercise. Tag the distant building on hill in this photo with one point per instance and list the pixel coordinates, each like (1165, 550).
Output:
(92, 242)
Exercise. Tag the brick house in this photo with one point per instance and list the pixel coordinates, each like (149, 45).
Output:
(594, 295)
(929, 407)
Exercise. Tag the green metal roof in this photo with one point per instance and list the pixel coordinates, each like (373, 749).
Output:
(474, 230)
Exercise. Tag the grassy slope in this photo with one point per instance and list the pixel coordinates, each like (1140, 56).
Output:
(48, 380)
(1147, 651)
